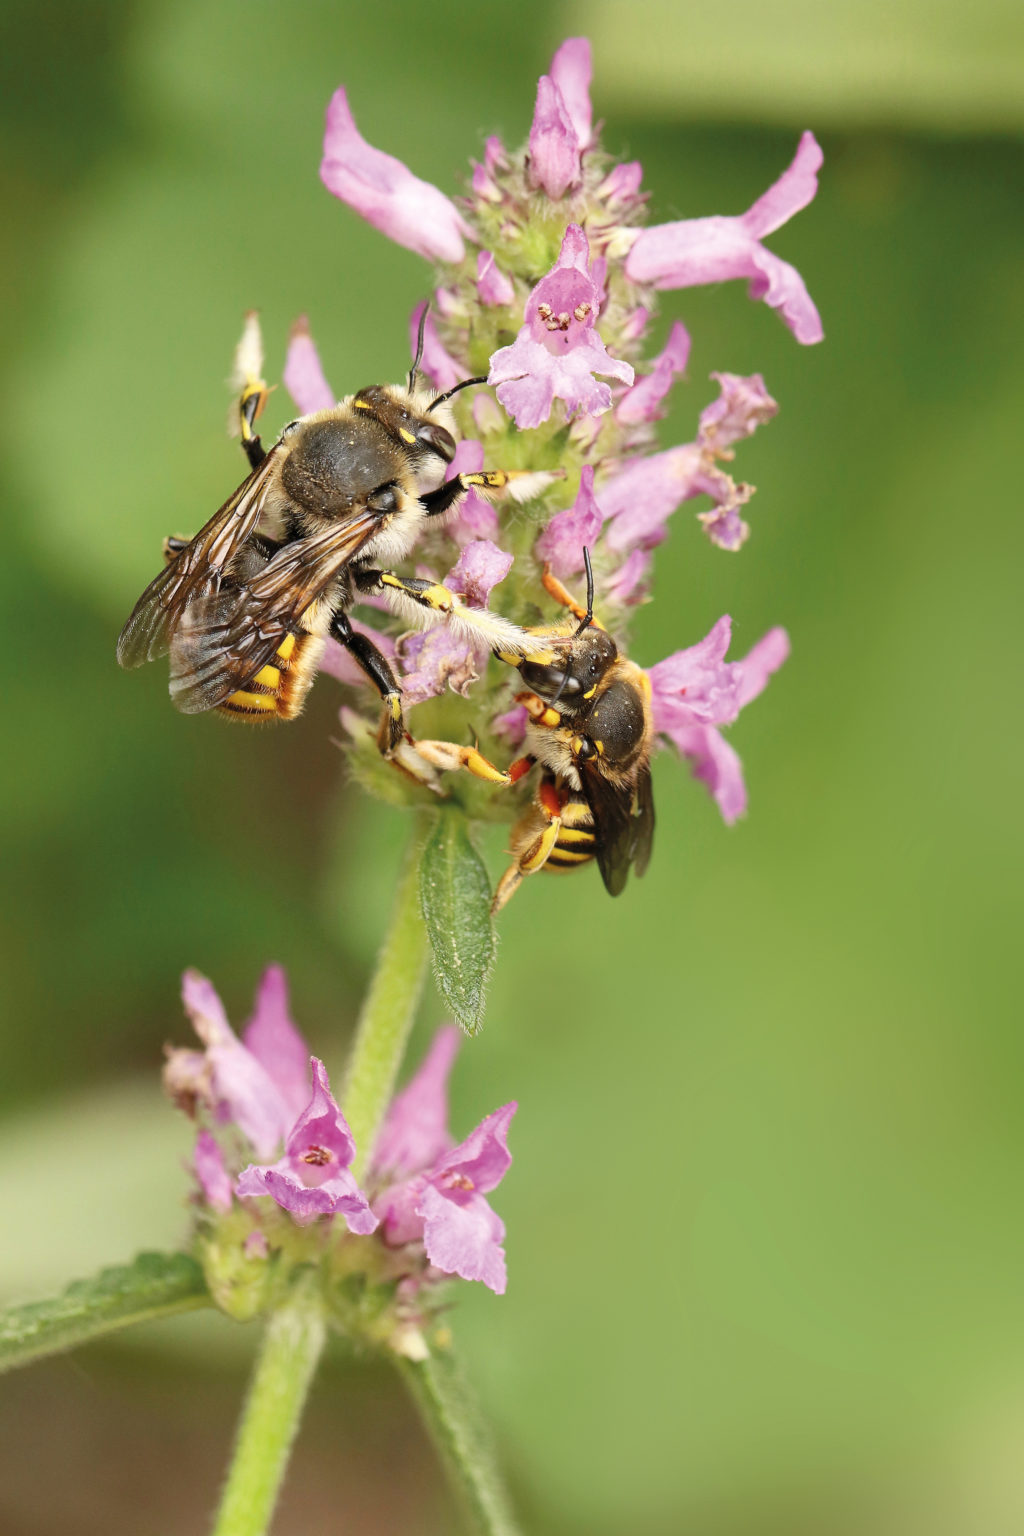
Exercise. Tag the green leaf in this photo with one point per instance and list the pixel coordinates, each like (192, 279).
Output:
(153, 1285)
(456, 897)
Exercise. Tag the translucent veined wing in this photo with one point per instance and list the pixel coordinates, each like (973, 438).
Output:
(196, 572)
(224, 639)
(624, 821)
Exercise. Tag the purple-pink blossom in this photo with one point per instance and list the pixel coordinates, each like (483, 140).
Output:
(642, 403)
(560, 131)
(712, 250)
(435, 1192)
(695, 691)
(493, 287)
(562, 542)
(385, 192)
(303, 374)
(558, 350)
(312, 1179)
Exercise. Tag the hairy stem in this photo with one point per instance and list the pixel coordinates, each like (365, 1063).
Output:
(277, 1394)
(453, 1419)
(389, 1010)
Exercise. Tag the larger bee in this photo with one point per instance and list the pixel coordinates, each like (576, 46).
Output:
(244, 608)
(590, 729)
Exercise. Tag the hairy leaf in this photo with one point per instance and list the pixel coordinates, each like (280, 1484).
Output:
(152, 1285)
(456, 897)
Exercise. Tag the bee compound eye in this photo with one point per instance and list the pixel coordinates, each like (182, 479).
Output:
(586, 749)
(431, 435)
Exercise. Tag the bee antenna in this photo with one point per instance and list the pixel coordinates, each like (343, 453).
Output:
(419, 345)
(454, 391)
(588, 617)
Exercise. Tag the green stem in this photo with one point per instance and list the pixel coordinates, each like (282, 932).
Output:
(154, 1285)
(388, 1012)
(455, 1425)
(284, 1370)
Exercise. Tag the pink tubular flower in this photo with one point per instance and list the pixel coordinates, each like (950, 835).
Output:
(492, 286)
(558, 351)
(385, 192)
(562, 542)
(642, 402)
(303, 375)
(440, 657)
(434, 1192)
(312, 1178)
(696, 690)
(210, 1171)
(712, 250)
(743, 405)
(561, 120)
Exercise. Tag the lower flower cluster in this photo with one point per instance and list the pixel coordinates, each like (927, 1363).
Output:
(273, 1169)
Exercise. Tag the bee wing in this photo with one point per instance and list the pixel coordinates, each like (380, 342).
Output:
(222, 640)
(195, 573)
(624, 821)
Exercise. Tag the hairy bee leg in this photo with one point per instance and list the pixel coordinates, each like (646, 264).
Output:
(489, 482)
(377, 668)
(492, 629)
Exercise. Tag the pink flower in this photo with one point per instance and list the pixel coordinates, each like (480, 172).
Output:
(434, 1191)
(696, 690)
(492, 286)
(712, 250)
(621, 187)
(642, 402)
(303, 375)
(743, 405)
(312, 1178)
(558, 351)
(385, 192)
(562, 542)
(561, 120)
(210, 1171)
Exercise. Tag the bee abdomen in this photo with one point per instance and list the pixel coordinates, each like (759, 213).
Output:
(576, 843)
(279, 689)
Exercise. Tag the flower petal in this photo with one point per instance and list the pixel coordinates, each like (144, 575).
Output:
(240, 1083)
(303, 376)
(493, 287)
(795, 188)
(385, 192)
(415, 1131)
(213, 1176)
(696, 686)
(742, 406)
(562, 541)
(554, 148)
(642, 402)
(320, 1125)
(463, 1237)
(717, 765)
(273, 1039)
(760, 662)
(483, 1158)
(339, 1195)
(571, 72)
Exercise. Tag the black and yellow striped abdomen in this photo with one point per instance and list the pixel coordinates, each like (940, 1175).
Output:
(576, 842)
(278, 691)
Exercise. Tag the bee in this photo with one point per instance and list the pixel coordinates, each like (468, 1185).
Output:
(244, 608)
(590, 728)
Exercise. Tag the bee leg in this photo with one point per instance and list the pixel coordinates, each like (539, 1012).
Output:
(561, 594)
(366, 655)
(489, 482)
(496, 632)
(447, 756)
(533, 840)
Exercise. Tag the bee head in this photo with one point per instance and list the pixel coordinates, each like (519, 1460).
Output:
(572, 680)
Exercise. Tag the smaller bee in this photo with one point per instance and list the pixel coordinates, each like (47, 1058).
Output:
(590, 728)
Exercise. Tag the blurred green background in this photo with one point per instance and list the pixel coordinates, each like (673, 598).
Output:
(767, 1270)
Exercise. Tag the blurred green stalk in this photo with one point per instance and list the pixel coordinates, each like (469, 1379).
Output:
(284, 1371)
